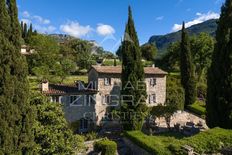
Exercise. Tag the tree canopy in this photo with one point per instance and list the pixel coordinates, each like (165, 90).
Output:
(16, 117)
(187, 69)
(132, 73)
(219, 98)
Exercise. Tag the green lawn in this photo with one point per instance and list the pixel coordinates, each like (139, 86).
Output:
(197, 108)
(110, 62)
(71, 79)
(210, 141)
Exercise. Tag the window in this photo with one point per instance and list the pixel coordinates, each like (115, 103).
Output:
(90, 99)
(83, 124)
(152, 98)
(106, 99)
(152, 82)
(55, 99)
(107, 81)
(72, 99)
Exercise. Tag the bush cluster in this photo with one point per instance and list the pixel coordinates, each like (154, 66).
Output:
(106, 147)
(175, 93)
(208, 142)
(197, 108)
(90, 136)
(151, 144)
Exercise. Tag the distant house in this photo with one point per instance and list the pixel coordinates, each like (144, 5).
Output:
(26, 50)
(91, 102)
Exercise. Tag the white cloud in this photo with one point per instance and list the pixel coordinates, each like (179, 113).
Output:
(159, 18)
(41, 20)
(40, 24)
(105, 30)
(45, 29)
(201, 17)
(27, 21)
(75, 29)
(26, 14)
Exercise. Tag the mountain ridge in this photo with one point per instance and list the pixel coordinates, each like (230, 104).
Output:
(162, 41)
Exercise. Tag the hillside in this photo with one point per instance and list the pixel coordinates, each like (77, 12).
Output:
(162, 41)
(61, 37)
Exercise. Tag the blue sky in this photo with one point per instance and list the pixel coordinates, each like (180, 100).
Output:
(104, 20)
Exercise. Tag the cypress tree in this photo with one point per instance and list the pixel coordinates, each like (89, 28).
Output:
(187, 69)
(219, 97)
(22, 28)
(29, 34)
(115, 62)
(16, 135)
(25, 34)
(30, 31)
(132, 74)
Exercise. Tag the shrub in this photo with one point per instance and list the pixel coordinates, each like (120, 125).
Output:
(90, 136)
(106, 147)
(74, 126)
(208, 142)
(151, 144)
(201, 91)
(175, 93)
(197, 108)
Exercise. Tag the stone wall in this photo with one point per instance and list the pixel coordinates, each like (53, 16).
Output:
(115, 87)
(159, 89)
(113, 90)
(78, 110)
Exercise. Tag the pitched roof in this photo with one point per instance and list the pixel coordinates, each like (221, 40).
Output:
(60, 89)
(118, 70)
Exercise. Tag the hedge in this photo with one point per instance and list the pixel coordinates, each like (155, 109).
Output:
(208, 142)
(197, 108)
(106, 147)
(152, 144)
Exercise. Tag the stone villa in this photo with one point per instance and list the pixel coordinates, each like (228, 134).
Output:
(89, 103)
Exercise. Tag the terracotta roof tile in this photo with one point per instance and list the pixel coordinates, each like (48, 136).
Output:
(118, 70)
(60, 89)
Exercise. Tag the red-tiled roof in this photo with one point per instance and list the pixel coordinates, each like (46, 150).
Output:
(118, 70)
(60, 89)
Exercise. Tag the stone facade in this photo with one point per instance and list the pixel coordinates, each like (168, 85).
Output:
(157, 90)
(94, 106)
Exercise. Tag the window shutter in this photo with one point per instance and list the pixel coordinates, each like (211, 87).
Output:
(103, 99)
(154, 98)
(152, 81)
(105, 81)
(150, 98)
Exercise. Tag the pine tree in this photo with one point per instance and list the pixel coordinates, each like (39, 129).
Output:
(16, 135)
(219, 97)
(187, 69)
(132, 74)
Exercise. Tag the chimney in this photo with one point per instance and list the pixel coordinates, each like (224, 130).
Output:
(45, 85)
(153, 65)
